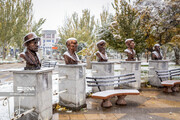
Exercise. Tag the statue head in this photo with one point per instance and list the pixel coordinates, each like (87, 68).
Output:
(156, 54)
(130, 50)
(72, 45)
(101, 45)
(30, 56)
(157, 47)
(31, 41)
(101, 55)
(70, 56)
(130, 43)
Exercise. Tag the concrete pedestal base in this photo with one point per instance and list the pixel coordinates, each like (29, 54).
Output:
(102, 69)
(41, 81)
(153, 66)
(75, 84)
(132, 67)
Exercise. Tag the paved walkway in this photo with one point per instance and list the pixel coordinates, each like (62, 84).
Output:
(7, 76)
(151, 104)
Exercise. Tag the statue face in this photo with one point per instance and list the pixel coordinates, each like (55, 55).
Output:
(101, 46)
(32, 45)
(157, 48)
(132, 45)
(72, 45)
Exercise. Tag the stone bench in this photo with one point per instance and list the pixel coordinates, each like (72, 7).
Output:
(111, 81)
(170, 85)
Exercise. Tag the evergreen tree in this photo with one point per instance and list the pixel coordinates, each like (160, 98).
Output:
(161, 20)
(127, 24)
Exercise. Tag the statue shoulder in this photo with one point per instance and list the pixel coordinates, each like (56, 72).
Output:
(66, 55)
(154, 52)
(127, 51)
(22, 55)
(98, 53)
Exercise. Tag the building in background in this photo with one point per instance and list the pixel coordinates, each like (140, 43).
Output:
(48, 40)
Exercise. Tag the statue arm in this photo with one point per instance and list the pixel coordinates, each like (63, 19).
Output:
(22, 55)
(128, 55)
(67, 59)
(153, 56)
(98, 55)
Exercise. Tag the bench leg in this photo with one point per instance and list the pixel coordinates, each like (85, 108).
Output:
(175, 88)
(121, 100)
(106, 103)
(168, 89)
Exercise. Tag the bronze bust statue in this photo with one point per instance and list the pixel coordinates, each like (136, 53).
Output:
(101, 54)
(130, 50)
(156, 54)
(70, 56)
(29, 55)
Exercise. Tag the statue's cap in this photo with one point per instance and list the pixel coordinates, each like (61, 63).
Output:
(130, 39)
(30, 36)
(70, 39)
(100, 42)
(156, 45)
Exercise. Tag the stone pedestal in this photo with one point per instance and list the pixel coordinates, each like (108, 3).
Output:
(102, 69)
(88, 61)
(41, 81)
(132, 67)
(153, 66)
(75, 84)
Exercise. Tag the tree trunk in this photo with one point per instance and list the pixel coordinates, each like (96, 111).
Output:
(165, 52)
(147, 56)
(177, 55)
(4, 52)
(137, 57)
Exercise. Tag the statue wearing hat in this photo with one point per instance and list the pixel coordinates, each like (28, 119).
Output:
(29, 55)
(130, 50)
(101, 53)
(70, 56)
(156, 54)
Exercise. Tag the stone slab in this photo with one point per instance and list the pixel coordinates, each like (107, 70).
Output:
(100, 69)
(41, 80)
(153, 66)
(75, 84)
(132, 67)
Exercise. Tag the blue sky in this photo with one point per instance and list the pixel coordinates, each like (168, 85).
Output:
(55, 11)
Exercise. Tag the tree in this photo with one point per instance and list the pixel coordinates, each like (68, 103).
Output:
(16, 21)
(161, 20)
(104, 31)
(82, 28)
(14, 15)
(175, 43)
(127, 24)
